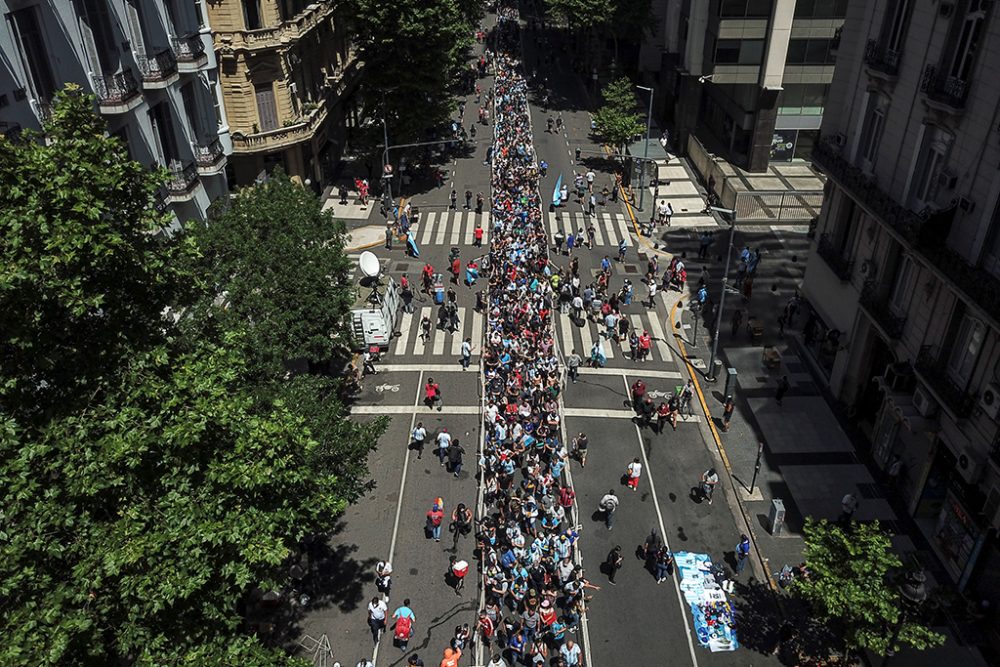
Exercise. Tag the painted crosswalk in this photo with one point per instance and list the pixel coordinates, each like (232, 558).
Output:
(609, 228)
(581, 338)
(440, 343)
(454, 228)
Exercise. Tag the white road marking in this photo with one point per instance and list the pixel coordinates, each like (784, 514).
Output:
(456, 228)
(428, 224)
(418, 342)
(396, 409)
(624, 372)
(623, 226)
(477, 332)
(442, 227)
(598, 232)
(404, 333)
(460, 335)
(659, 338)
(439, 337)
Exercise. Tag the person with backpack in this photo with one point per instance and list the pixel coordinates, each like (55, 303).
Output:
(742, 554)
(435, 515)
(405, 618)
(609, 505)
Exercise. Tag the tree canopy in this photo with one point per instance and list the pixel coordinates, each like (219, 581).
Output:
(84, 276)
(617, 121)
(849, 586)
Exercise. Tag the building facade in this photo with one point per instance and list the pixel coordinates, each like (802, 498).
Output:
(151, 67)
(287, 75)
(905, 277)
(749, 78)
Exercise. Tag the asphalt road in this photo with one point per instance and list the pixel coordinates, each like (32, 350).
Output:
(634, 622)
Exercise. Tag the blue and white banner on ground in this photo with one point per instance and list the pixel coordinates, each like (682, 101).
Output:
(714, 616)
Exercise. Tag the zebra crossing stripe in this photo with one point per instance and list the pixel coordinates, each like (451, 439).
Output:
(441, 229)
(636, 320)
(486, 230)
(477, 332)
(598, 233)
(418, 344)
(456, 229)
(585, 337)
(439, 336)
(459, 336)
(404, 333)
(566, 333)
(622, 226)
(659, 338)
(427, 225)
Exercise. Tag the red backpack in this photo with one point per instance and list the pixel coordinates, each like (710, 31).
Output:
(403, 627)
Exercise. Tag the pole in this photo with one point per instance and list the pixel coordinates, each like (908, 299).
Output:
(756, 466)
(645, 150)
(695, 312)
(722, 303)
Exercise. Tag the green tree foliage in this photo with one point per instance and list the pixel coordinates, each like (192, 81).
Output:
(617, 121)
(582, 13)
(84, 276)
(849, 586)
(134, 527)
(412, 50)
(279, 262)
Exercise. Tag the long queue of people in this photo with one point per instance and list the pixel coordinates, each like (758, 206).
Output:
(535, 593)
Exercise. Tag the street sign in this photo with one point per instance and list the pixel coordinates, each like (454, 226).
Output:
(387, 171)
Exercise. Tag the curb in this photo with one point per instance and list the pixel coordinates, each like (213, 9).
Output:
(693, 374)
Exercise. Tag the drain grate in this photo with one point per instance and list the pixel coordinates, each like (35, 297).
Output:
(632, 269)
(402, 267)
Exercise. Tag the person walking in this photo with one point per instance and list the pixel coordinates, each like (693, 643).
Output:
(388, 237)
(664, 564)
(632, 474)
(466, 353)
(477, 236)
(613, 563)
(580, 444)
(383, 577)
(782, 389)
(480, 199)
(573, 362)
(609, 505)
(435, 516)
(461, 523)
(457, 569)
(455, 454)
(727, 412)
(742, 554)
(377, 611)
(571, 654)
(592, 205)
(368, 359)
(453, 199)
(418, 437)
(405, 618)
(432, 394)
(468, 199)
(709, 479)
(443, 441)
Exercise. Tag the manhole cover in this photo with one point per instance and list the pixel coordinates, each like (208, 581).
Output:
(631, 269)
(402, 267)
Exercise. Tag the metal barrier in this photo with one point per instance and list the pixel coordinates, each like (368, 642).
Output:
(777, 206)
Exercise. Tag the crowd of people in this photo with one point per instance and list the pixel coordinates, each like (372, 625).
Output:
(535, 592)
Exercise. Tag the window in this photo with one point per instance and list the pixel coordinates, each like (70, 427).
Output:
(871, 131)
(251, 15)
(802, 99)
(101, 42)
(965, 352)
(820, 9)
(739, 51)
(928, 171)
(163, 134)
(901, 285)
(897, 14)
(191, 110)
(267, 110)
(24, 26)
(737, 9)
(968, 41)
(810, 52)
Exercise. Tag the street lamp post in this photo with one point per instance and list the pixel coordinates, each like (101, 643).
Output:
(722, 297)
(645, 150)
(913, 593)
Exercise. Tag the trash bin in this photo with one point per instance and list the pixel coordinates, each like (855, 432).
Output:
(776, 519)
(438, 289)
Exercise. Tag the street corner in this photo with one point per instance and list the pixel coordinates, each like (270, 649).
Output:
(596, 393)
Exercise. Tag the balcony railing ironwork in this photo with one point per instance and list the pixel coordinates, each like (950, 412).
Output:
(940, 87)
(157, 67)
(840, 265)
(115, 89)
(881, 59)
(932, 367)
(876, 302)
(188, 49)
(182, 177)
(279, 35)
(208, 154)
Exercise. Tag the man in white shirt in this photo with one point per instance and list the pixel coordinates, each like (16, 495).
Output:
(419, 435)
(443, 442)
(377, 610)
(590, 181)
(491, 412)
(466, 353)
(570, 652)
(633, 473)
(661, 211)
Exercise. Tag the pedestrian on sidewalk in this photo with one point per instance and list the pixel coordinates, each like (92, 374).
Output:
(443, 441)
(742, 554)
(454, 201)
(435, 515)
(405, 618)
(573, 360)
(455, 454)
(651, 288)
(632, 474)
(466, 353)
(670, 212)
(622, 249)
(413, 661)
(457, 569)
(377, 610)
(727, 412)
(613, 563)
(609, 505)
(782, 389)
(704, 243)
(388, 236)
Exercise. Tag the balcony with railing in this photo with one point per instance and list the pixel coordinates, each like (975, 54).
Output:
(945, 92)
(881, 60)
(117, 93)
(210, 157)
(279, 35)
(875, 301)
(840, 265)
(189, 52)
(158, 70)
(282, 137)
(932, 368)
(181, 181)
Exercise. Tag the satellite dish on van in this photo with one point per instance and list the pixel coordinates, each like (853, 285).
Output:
(370, 266)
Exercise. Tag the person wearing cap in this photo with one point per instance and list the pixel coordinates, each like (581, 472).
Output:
(435, 516)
